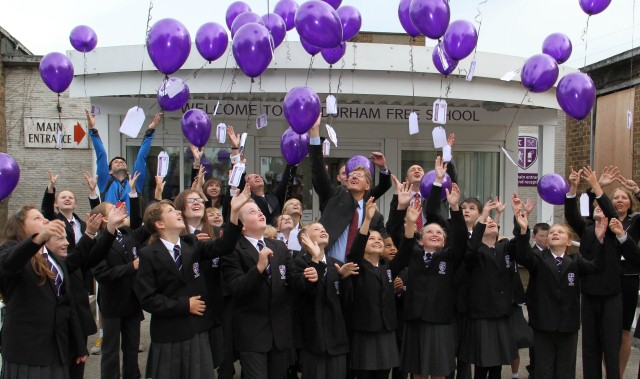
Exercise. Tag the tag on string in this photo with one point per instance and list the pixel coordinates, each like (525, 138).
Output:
(132, 122)
(508, 76)
(172, 88)
(59, 137)
(332, 134)
(443, 59)
(221, 132)
(413, 124)
(446, 153)
(508, 156)
(584, 205)
(95, 110)
(439, 112)
(163, 164)
(326, 148)
(243, 140)
(629, 119)
(261, 121)
(332, 105)
(439, 137)
(215, 111)
(236, 175)
(472, 70)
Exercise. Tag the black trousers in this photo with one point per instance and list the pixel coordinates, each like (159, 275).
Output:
(271, 365)
(120, 333)
(226, 369)
(555, 354)
(601, 335)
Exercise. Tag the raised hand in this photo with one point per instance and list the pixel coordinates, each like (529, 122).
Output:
(403, 192)
(516, 203)
(132, 182)
(314, 132)
(370, 208)
(93, 224)
(237, 201)
(52, 229)
(453, 197)
(312, 247)
(92, 182)
(529, 205)
(522, 218)
(91, 120)
(616, 226)
(196, 306)
(591, 177)
(159, 187)
(601, 228)
(500, 207)
(628, 184)
(608, 176)
(379, 160)
(311, 274)
(451, 140)
(347, 269)
(413, 212)
(574, 180)
(490, 205)
(53, 180)
(441, 170)
(197, 154)
(156, 120)
(203, 237)
(198, 181)
(116, 216)
(234, 139)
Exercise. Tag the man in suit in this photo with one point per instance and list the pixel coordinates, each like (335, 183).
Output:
(257, 274)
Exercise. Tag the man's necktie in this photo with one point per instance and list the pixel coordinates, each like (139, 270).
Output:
(57, 281)
(353, 229)
(419, 224)
(268, 269)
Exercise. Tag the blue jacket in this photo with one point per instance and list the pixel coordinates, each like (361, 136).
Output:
(119, 191)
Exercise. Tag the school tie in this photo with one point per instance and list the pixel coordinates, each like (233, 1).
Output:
(260, 247)
(177, 257)
(353, 229)
(120, 239)
(57, 278)
(419, 224)
(427, 259)
(559, 263)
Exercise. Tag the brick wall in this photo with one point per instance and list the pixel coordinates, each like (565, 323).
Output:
(27, 96)
(560, 163)
(578, 141)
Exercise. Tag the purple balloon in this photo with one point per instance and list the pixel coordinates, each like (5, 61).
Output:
(405, 18)
(460, 39)
(334, 3)
(234, 10)
(301, 108)
(56, 71)
(168, 45)
(427, 183)
(212, 41)
(196, 127)
(592, 7)
(332, 56)
(176, 102)
(294, 146)
(351, 21)
(252, 49)
(576, 94)
(276, 26)
(558, 46)
(83, 38)
(319, 24)
(358, 160)
(430, 17)
(244, 19)
(309, 48)
(437, 57)
(287, 10)
(9, 175)
(553, 189)
(539, 73)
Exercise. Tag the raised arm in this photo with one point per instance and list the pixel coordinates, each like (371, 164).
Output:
(14, 258)
(598, 264)
(48, 199)
(141, 160)
(384, 178)
(603, 201)
(433, 200)
(356, 254)
(285, 183)
(319, 175)
(408, 241)
(102, 166)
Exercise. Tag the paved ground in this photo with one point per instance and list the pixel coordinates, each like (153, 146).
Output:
(93, 363)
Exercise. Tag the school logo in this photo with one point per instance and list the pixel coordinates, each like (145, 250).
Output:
(283, 272)
(572, 279)
(337, 285)
(389, 276)
(442, 267)
(196, 270)
(134, 251)
(507, 261)
(527, 151)
(215, 262)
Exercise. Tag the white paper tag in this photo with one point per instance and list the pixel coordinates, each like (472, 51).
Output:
(133, 122)
(326, 148)
(215, 111)
(508, 156)
(172, 88)
(163, 164)
(446, 153)
(443, 60)
(243, 140)
(332, 134)
(584, 205)
(236, 175)
(439, 112)
(439, 137)
(221, 132)
(629, 119)
(235, 159)
(332, 105)
(95, 110)
(413, 124)
(472, 70)
(261, 121)
(508, 76)
(59, 137)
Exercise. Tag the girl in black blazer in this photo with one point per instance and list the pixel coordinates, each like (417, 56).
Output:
(321, 281)
(554, 293)
(41, 320)
(171, 287)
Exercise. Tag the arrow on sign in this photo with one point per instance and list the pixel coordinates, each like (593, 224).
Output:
(78, 133)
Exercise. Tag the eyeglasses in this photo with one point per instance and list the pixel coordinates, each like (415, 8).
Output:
(196, 200)
(356, 175)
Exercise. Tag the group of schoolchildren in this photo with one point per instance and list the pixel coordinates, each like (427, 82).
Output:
(429, 293)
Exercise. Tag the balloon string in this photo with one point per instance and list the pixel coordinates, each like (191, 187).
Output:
(224, 72)
(516, 115)
(330, 68)
(286, 62)
(309, 70)
(59, 107)
(233, 81)
(441, 79)
(413, 89)
(84, 75)
(479, 21)
(146, 41)
(262, 91)
(250, 103)
(196, 72)
(584, 38)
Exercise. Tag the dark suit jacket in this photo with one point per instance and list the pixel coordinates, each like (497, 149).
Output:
(38, 327)
(262, 308)
(275, 199)
(555, 297)
(164, 291)
(50, 214)
(319, 317)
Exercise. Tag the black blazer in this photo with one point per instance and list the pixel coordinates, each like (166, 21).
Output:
(50, 214)
(164, 291)
(39, 328)
(274, 199)
(319, 316)
(431, 292)
(262, 309)
(555, 297)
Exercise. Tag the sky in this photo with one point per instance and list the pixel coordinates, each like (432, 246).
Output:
(511, 27)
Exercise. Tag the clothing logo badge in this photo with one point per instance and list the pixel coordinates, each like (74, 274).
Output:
(389, 275)
(215, 262)
(572, 279)
(337, 285)
(507, 261)
(283, 272)
(196, 270)
(442, 267)
(134, 251)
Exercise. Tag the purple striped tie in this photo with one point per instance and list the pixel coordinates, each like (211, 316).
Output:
(177, 257)
(57, 278)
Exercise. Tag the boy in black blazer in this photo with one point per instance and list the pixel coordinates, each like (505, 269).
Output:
(257, 274)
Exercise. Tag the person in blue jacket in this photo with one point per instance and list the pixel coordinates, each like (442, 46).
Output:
(113, 178)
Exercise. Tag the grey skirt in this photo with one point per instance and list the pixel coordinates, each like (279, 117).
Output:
(374, 350)
(17, 371)
(188, 359)
(488, 342)
(428, 349)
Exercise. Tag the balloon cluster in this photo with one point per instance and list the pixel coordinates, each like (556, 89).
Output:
(301, 108)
